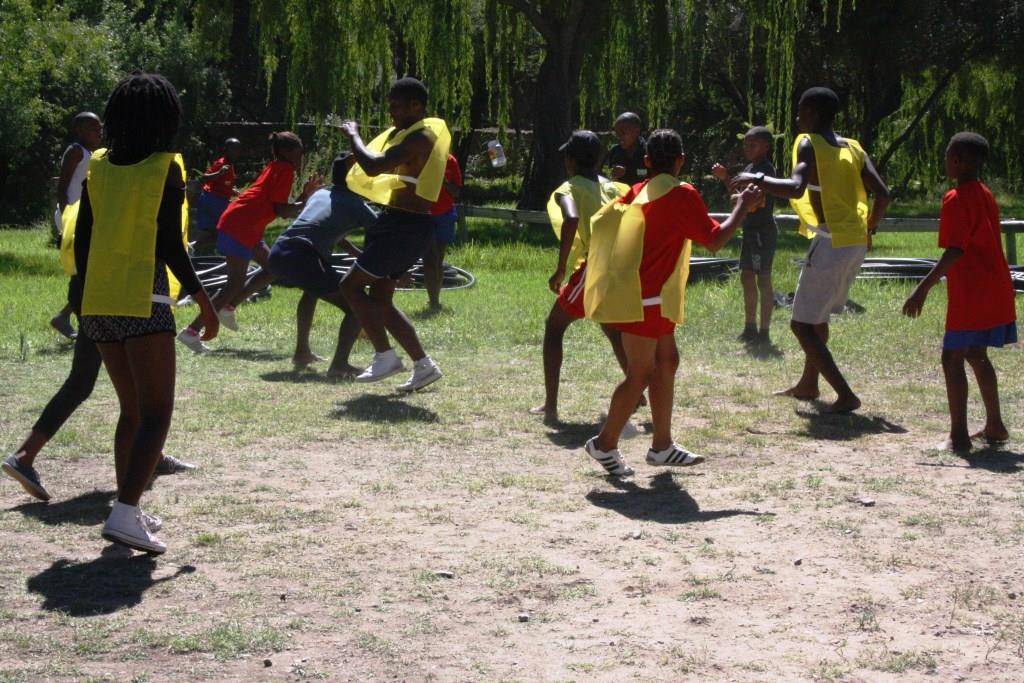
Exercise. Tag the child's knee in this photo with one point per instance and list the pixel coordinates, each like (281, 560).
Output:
(952, 359)
(976, 355)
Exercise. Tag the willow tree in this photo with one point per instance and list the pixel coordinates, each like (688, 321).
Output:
(339, 56)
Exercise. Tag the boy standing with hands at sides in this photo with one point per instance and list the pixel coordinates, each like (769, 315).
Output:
(570, 208)
(625, 160)
(636, 282)
(218, 191)
(760, 235)
(87, 131)
(980, 308)
(401, 169)
(828, 189)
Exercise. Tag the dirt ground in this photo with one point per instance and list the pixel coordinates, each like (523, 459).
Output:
(845, 552)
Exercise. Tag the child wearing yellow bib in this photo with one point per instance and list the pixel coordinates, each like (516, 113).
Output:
(129, 226)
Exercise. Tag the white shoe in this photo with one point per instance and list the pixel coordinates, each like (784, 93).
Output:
(228, 319)
(384, 365)
(673, 456)
(611, 460)
(152, 522)
(126, 526)
(191, 340)
(424, 373)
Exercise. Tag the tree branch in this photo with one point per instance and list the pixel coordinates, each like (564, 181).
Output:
(535, 17)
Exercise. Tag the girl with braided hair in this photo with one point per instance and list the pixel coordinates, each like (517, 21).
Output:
(128, 230)
(635, 283)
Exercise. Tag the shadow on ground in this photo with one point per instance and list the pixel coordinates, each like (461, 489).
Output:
(255, 355)
(377, 408)
(845, 427)
(87, 509)
(665, 502)
(572, 435)
(994, 458)
(101, 586)
(302, 377)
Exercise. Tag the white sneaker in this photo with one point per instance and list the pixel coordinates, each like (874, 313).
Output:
(126, 526)
(424, 373)
(384, 365)
(190, 339)
(611, 460)
(152, 522)
(228, 319)
(673, 456)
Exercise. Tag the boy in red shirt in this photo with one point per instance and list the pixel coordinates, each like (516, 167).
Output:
(445, 216)
(218, 191)
(670, 215)
(980, 311)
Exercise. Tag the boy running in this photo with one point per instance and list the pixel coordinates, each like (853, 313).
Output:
(218, 191)
(980, 309)
(831, 178)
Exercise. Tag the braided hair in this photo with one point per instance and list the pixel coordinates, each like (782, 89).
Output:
(141, 117)
(664, 147)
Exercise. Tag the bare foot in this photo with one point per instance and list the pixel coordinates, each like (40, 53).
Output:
(846, 404)
(799, 393)
(345, 372)
(305, 360)
(993, 435)
(550, 416)
(952, 446)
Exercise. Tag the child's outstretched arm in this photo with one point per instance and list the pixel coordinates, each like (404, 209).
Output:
(570, 222)
(915, 302)
(720, 172)
(293, 209)
(792, 187)
(745, 202)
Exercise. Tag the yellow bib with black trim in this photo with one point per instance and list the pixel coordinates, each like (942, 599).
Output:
(589, 196)
(378, 188)
(612, 290)
(844, 198)
(69, 218)
(125, 201)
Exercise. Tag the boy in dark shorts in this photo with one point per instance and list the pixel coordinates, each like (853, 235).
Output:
(301, 258)
(625, 160)
(980, 309)
(403, 170)
(760, 235)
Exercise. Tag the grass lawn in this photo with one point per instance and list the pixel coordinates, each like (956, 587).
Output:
(346, 532)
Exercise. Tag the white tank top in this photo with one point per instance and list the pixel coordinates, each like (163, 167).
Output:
(78, 177)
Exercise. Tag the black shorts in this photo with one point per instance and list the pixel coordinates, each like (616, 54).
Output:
(395, 242)
(295, 263)
(102, 329)
(757, 251)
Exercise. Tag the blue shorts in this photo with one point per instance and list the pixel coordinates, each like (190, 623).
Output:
(230, 247)
(1000, 335)
(295, 263)
(444, 227)
(208, 210)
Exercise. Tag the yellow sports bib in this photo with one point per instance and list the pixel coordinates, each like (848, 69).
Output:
(125, 201)
(613, 292)
(378, 188)
(589, 196)
(843, 196)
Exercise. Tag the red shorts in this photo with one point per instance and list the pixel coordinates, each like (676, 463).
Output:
(570, 297)
(653, 325)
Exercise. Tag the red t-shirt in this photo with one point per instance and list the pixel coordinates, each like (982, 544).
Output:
(453, 175)
(979, 285)
(247, 217)
(223, 185)
(669, 221)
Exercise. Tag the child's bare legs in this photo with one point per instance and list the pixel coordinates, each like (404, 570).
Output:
(372, 301)
(956, 393)
(304, 312)
(988, 385)
(615, 339)
(348, 332)
(260, 279)
(662, 391)
(818, 361)
(554, 333)
(433, 272)
(237, 268)
(641, 368)
(767, 292)
(748, 279)
(142, 371)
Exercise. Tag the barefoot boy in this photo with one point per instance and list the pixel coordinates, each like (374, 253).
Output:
(760, 235)
(625, 160)
(831, 178)
(570, 208)
(636, 281)
(980, 309)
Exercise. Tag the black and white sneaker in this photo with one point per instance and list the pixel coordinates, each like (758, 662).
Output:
(673, 456)
(611, 460)
(26, 476)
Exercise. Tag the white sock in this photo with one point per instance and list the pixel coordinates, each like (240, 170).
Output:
(424, 362)
(389, 354)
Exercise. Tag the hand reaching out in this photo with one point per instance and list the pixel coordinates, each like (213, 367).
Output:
(720, 172)
(350, 129)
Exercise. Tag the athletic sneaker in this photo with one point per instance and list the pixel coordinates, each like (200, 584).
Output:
(227, 318)
(673, 456)
(190, 338)
(424, 373)
(152, 522)
(384, 365)
(63, 325)
(26, 476)
(126, 526)
(610, 460)
(170, 465)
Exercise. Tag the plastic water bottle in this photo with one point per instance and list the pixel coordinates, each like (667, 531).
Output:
(496, 153)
